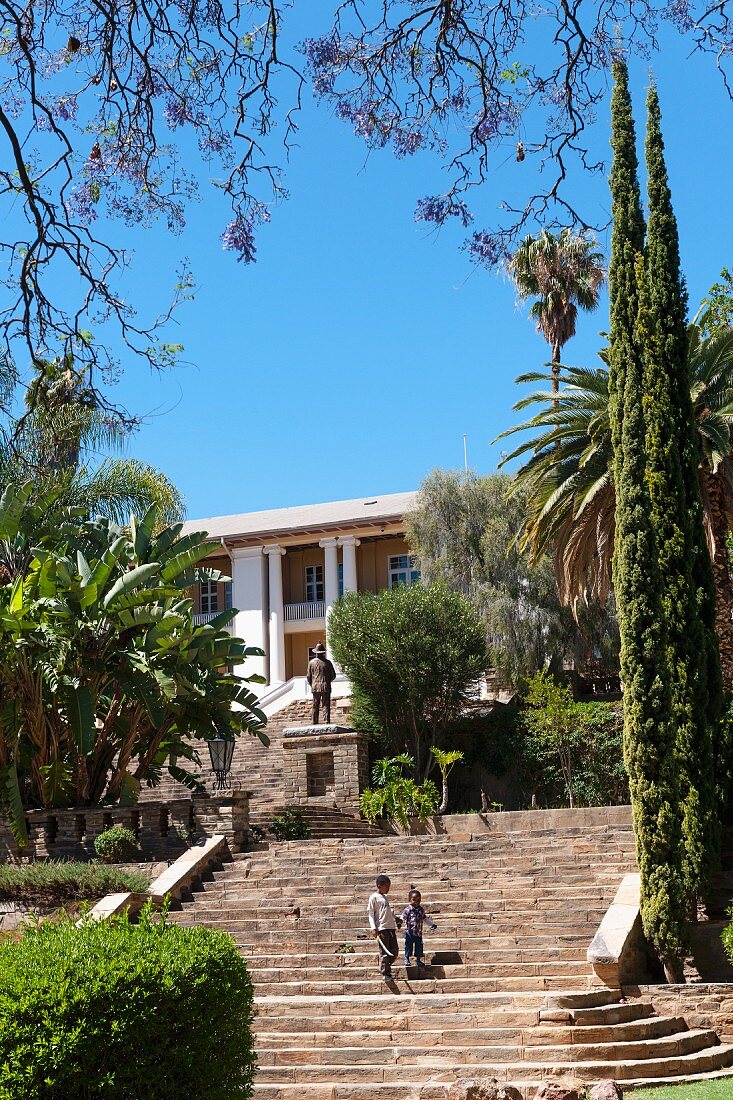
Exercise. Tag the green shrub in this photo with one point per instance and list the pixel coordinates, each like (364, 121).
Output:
(116, 845)
(124, 1012)
(396, 797)
(51, 884)
(289, 825)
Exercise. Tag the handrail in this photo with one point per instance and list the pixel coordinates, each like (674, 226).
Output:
(307, 609)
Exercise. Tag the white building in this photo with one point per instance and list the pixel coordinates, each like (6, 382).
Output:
(288, 567)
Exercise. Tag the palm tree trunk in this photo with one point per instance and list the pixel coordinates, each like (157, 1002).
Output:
(555, 365)
(721, 573)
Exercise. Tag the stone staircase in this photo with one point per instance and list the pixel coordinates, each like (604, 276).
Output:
(508, 994)
(322, 822)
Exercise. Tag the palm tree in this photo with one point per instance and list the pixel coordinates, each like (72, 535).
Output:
(563, 273)
(62, 440)
(567, 475)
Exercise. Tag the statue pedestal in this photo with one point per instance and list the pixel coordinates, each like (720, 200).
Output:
(324, 766)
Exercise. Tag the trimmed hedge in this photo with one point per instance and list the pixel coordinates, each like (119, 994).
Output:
(148, 1011)
(116, 845)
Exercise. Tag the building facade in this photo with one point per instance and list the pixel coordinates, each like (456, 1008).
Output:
(289, 566)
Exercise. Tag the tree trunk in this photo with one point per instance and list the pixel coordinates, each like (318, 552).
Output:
(556, 348)
(444, 800)
(673, 970)
(721, 573)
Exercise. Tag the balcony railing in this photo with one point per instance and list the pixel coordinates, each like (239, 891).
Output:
(201, 617)
(301, 612)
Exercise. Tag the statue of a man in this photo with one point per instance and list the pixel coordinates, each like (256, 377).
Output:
(321, 675)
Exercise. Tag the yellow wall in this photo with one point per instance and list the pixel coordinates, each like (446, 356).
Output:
(296, 651)
(295, 563)
(371, 562)
(371, 566)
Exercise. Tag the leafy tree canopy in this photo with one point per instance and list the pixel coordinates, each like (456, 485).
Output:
(413, 656)
(464, 531)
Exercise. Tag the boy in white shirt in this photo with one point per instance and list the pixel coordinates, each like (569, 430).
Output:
(383, 924)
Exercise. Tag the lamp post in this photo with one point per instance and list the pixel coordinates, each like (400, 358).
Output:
(221, 751)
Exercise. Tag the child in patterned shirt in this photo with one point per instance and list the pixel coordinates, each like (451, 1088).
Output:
(414, 917)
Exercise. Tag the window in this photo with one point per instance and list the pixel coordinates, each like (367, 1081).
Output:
(341, 578)
(314, 584)
(209, 597)
(401, 571)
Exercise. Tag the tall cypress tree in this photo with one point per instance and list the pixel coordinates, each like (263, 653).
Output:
(649, 728)
(672, 461)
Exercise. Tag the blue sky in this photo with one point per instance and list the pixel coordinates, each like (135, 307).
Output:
(354, 355)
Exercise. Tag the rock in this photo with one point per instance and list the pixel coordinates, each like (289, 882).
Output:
(482, 1088)
(605, 1090)
(560, 1090)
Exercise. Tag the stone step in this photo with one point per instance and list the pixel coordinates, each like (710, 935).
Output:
(552, 909)
(678, 1063)
(430, 1013)
(348, 928)
(419, 985)
(473, 1005)
(293, 938)
(361, 863)
(375, 1034)
(465, 851)
(440, 1055)
(366, 971)
(364, 954)
(254, 892)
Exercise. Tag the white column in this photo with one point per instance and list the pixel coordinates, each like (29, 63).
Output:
(277, 614)
(330, 579)
(349, 544)
(248, 597)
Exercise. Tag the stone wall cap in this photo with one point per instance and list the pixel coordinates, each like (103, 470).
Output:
(316, 731)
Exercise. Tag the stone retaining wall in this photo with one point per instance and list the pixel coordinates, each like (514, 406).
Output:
(704, 1005)
(162, 827)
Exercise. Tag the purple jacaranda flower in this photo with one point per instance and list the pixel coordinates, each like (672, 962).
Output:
(62, 108)
(407, 141)
(239, 237)
(496, 118)
(485, 248)
(82, 203)
(214, 142)
(438, 208)
(177, 113)
(14, 105)
(323, 56)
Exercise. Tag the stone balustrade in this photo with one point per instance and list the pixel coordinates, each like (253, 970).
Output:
(162, 828)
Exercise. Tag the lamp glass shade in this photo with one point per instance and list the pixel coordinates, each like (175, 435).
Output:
(221, 751)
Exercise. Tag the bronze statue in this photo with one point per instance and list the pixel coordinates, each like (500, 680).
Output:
(321, 675)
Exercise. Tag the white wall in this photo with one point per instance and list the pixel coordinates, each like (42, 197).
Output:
(248, 596)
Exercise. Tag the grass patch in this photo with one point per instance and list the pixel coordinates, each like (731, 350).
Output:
(702, 1090)
(56, 882)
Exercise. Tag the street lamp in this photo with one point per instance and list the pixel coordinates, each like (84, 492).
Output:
(221, 751)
